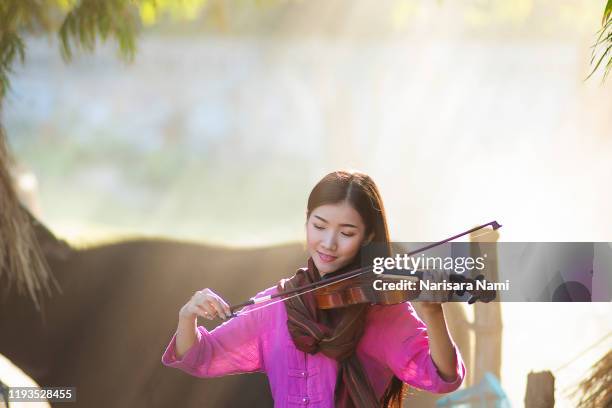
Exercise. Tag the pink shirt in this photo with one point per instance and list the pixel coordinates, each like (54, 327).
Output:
(394, 342)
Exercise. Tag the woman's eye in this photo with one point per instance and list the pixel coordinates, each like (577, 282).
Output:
(317, 226)
(348, 234)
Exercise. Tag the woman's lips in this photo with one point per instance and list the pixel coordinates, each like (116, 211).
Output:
(326, 258)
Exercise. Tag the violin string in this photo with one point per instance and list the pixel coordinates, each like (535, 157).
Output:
(299, 293)
(367, 269)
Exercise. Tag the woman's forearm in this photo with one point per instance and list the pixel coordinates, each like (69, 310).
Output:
(442, 351)
(185, 335)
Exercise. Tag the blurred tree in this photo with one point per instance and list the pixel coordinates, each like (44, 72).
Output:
(81, 24)
(78, 23)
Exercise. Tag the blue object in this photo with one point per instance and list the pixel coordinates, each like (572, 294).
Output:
(488, 393)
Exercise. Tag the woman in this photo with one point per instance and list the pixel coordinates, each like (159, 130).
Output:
(358, 356)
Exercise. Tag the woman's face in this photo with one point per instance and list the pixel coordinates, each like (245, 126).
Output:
(334, 234)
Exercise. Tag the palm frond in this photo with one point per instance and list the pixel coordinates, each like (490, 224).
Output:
(79, 27)
(22, 263)
(603, 44)
(93, 19)
(596, 389)
(11, 47)
(14, 16)
(607, 13)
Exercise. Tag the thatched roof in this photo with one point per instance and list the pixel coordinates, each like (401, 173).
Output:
(22, 265)
(596, 390)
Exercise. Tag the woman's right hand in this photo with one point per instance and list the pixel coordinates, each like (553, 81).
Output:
(207, 304)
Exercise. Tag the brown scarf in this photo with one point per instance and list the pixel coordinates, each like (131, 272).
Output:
(334, 332)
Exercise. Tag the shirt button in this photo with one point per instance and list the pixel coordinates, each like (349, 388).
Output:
(304, 374)
(305, 400)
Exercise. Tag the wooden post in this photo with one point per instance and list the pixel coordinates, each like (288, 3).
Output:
(540, 391)
(487, 316)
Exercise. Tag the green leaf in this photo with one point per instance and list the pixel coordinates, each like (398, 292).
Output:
(603, 55)
(11, 47)
(91, 20)
(603, 41)
(607, 13)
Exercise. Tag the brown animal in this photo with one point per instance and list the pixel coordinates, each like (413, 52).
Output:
(118, 307)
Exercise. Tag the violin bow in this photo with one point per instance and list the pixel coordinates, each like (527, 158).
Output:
(267, 300)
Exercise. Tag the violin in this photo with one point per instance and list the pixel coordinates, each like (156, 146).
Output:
(356, 286)
(362, 290)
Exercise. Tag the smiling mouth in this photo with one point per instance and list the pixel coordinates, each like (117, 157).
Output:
(326, 258)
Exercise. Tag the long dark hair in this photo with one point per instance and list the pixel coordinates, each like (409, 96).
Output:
(360, 191)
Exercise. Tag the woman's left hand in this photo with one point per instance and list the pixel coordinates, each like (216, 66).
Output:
(427, 310)
(440, 343)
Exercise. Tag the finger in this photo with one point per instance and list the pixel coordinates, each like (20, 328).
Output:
(204, 312)
(202, 295)
(200, 311)
(203, 301)
(212, 302)
(218, 308)
(212, 297)
(225, 306)
(198, 295)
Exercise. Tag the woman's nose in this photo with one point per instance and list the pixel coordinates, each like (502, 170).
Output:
(329, 242)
